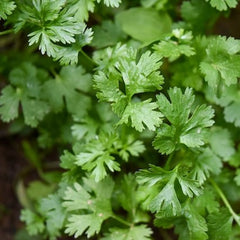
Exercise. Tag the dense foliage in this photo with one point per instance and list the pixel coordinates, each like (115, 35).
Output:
(142, 102)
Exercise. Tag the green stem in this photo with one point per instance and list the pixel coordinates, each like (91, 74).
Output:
(6, 32)
(167, 165)
(87, 57)
(121, 220)
(227, 204)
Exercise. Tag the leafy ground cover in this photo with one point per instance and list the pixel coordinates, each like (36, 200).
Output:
(128, 115)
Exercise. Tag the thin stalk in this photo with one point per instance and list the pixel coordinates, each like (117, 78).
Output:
(121, 220)
(6, 32)
(226, 202)
(87, 57)
(168, 163)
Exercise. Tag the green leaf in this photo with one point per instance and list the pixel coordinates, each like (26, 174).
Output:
(167, 201)
(207, 202)
(223, 5)
(134, 233)
(38, 189)
(81, 8)
(237, 177)
(96, 156)
(26, 89)
(111, 3)
(108, 34)
(126, 195)
(87, 212)
(231, 113)
(145, 25)
(6, 8)
(131, 147)
(53, 24)
(142, 115)
(193, 13)
(9, 104)
(142, 76)
(35, 223)
(55, 214)
(221, 142)
(187, 124)
(69, 55)
(173, 50)
(195, 227)
(220, 225)
(70, 85)
(206, 163)
(221, 61)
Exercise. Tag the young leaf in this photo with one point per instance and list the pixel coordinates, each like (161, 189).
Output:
(26, 89)
(167, 201)
(54, 213)
(221, 61)
(111, 3)
(173, 50)
(70, 85)
(145, 25)
(6, 8)
(187, 125)
(35, 224)
(221, 142)
(195, 227)
(142, 115)
(108, 34)
(206, 163)
(223, 5)
(87, 213)
(99, 154)
(133, 233)
(220, 225)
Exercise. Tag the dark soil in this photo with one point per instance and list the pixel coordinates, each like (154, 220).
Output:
(11, 164)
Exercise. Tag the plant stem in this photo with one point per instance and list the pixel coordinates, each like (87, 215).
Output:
(87, 57)
(6, 32)
(227, 204)
(167, 165)
(121, 220)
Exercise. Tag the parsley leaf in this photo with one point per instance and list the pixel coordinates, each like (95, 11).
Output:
(223, 5)
(133, 233)
(167, 200)
(137, 77)
(107, 34)
(99, 153)
(195, 227)
(26, 89)
(187, 125)
(51, 208)
(206, 163)
(221, 142)
(173, 50)
(220, 225)
(96, 156)
(6, 8)
(142, 113)
(77, 201)
(111, 3)
(70, 85)
(35, 224)
(221, 61)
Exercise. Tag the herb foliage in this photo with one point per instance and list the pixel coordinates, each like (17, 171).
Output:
(149, 101)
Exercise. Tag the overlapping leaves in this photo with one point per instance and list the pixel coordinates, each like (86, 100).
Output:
(137, 77)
